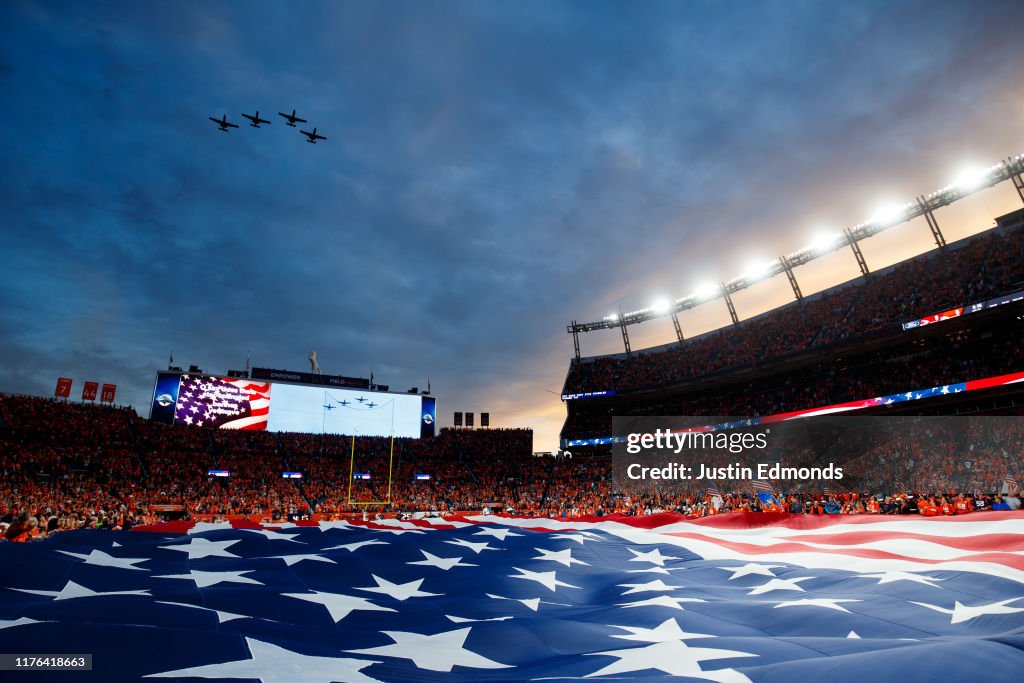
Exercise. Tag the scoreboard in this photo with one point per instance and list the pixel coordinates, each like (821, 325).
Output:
(202, 400)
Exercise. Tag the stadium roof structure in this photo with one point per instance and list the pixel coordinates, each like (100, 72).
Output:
(1011, 168)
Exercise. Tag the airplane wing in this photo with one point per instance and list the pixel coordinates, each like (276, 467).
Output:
(319, 137)
(231, 125)
(251, 118)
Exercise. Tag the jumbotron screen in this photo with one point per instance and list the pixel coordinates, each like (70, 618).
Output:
(238, 403)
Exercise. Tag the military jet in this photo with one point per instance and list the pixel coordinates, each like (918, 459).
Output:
(343, 402)
(292, 118)
(223, 123)
(256, 120)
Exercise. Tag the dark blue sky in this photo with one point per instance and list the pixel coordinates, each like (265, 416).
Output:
(493, 170)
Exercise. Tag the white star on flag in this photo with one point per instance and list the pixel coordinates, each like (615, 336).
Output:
(752, 568)
(102, 559)
(199, 548)
(561, 556)
(444, 563)
(221, 616)
(496, 532)
(961, 613)
(439, 652)
(204, 579)
(579, 538)
(893, 576)
(661, 601)
(546, 579)
(22, 621)
(475, 547)
(339, 606)
(295, 559)
(275, 535)
(827, 603)
(673, 657)
(780, 585)
(352, 547)
(72, 590)
(399, 591)
(652, 556)
(650, 586)
(664, 632)
(273, 664)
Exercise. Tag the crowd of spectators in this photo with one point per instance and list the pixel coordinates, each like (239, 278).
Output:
(68, 466)
(979, 268)
(861, 376)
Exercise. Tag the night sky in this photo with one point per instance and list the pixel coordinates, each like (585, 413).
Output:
(492, 171)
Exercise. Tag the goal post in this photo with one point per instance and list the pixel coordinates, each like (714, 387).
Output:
(351, 475)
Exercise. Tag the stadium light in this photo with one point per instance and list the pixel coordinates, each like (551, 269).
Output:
(705, 290)
(888, 213)
(614, 317)
(661, 306)
(971, 178)
(822, 241)
(758, 269)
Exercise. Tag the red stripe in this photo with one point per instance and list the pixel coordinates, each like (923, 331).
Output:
(1006, 559)
(993, 381)
(983, 542)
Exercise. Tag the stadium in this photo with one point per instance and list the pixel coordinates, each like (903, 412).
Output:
(827, 486)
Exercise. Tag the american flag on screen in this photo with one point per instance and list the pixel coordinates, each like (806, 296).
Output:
(733, 598)
(224, 403)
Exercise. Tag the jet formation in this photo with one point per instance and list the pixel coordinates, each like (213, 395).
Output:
(224, 125)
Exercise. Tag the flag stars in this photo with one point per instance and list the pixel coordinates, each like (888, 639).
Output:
(651, 586)
(547, 579)
(496, 532)
(780, 585)
(661, 601)
(894, 576)
(272, 664)
(444, 563)
(438, 652)
(652, 556)
(826, 603)
(664, 632)
(204, 579)
(563, 557)
(961, 613)
(475, 547)
(202, 547)
(673, 657)
(102, 559)
(339, 606)
(399, 591)
(752, 568)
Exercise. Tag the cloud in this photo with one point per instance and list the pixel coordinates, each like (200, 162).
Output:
(492, 171)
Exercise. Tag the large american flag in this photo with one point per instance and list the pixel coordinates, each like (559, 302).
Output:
(740, 597)
(222, 402)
